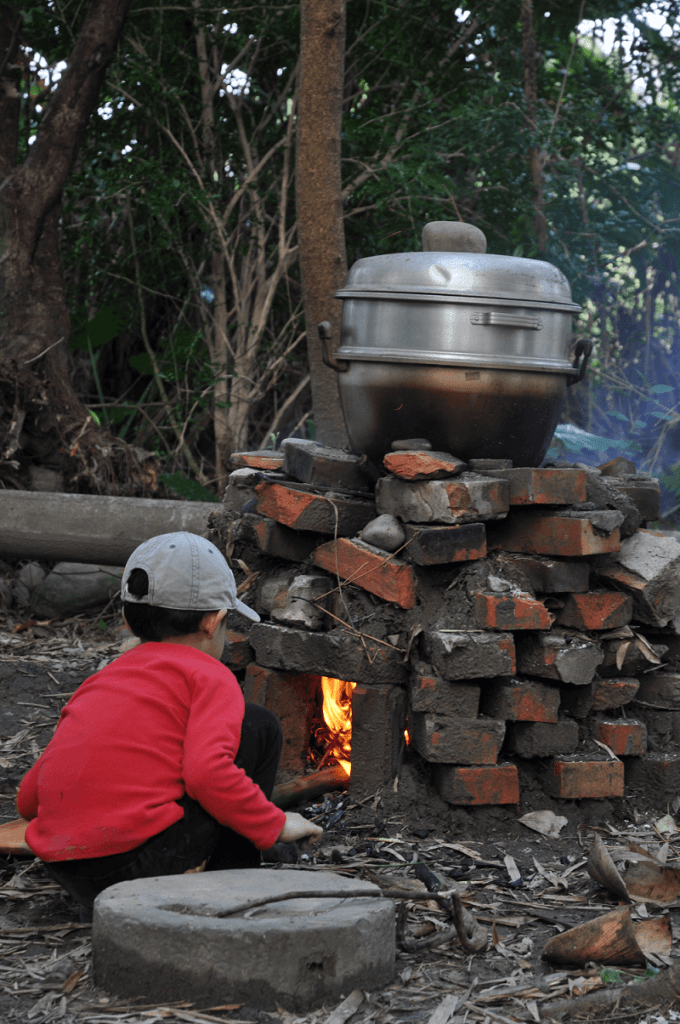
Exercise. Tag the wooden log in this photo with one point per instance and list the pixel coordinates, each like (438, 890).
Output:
(310, 786)
(90, 528)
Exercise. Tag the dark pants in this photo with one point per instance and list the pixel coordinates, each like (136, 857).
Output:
(195, 838)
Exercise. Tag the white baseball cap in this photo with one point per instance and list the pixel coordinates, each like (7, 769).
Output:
(185, 572)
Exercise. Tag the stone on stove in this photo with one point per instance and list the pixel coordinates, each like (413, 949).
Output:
(306, 600)
(241, 488)
(385, 532)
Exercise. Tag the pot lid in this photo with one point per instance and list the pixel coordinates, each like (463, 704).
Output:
(459, 274)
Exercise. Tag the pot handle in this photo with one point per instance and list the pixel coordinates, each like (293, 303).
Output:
(339, 365)
(583, 352)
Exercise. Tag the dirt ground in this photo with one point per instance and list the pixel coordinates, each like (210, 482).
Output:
(522, 887)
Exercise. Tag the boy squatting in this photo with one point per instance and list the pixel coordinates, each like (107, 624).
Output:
(157, 765)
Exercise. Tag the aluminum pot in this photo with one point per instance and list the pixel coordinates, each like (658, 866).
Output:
(469, 350)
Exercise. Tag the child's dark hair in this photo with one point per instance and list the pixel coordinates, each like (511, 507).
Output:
(154, 624)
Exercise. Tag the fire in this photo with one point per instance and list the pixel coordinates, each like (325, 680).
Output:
(337, 713)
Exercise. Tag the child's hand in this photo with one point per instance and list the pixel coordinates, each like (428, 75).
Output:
(297, 827)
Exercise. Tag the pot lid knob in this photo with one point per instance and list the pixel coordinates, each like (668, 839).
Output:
(453, 236)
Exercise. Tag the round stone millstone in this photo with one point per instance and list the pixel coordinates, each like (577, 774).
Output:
(159, 938)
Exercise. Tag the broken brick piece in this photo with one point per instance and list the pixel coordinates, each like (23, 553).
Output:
(441, 545)
(271, 461)
(542, 739)
(544, 486)
(468, 498)
(517, 700)
(280, 541)
(369, 567)
(479, 786)
(626, 737)
(599, 609)
(237, 651)
(656, 601)
(511, 611)
(456, 740)
(419, 465)
(429, 692)
(560, 656)
(460, 655)
(576, 779)
(302, 510)
(542, 534)
(549, 576)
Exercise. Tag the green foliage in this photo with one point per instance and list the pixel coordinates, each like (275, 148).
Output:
(432, 130)
(186, 488)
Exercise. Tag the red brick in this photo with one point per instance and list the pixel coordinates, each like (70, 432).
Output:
(366, 567)
(280, 541)
(418, 465)
(303, 510)
(544, 486)
(271, 461)
(625, 737)
(378, 721)
(470, 498)
(519, 701)
(292, 696)
(470, 655)
(237, 651)
(600, 609)
(441, 545)
(584, 780)
(429, 692)
(542, 739)
(456, 740)
(487, 784)
(536, 534)
(511, 611)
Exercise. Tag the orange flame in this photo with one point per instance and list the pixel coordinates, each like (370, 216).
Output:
(337, 713)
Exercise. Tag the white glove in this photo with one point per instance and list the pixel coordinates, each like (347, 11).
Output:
(297, 827)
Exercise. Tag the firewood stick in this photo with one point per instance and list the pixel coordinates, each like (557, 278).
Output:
(310, 786)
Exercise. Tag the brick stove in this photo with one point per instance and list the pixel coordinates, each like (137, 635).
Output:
(522, 623)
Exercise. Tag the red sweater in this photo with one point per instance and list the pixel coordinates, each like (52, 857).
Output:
(161, 720)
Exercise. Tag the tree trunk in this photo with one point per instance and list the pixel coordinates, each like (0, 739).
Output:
(34, 317)
(323, 261)
(536, 157)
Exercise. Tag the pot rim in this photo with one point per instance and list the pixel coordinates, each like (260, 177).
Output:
(455, 359)
(422, 294)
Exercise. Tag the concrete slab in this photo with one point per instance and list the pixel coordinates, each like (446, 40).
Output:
(159, 938)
